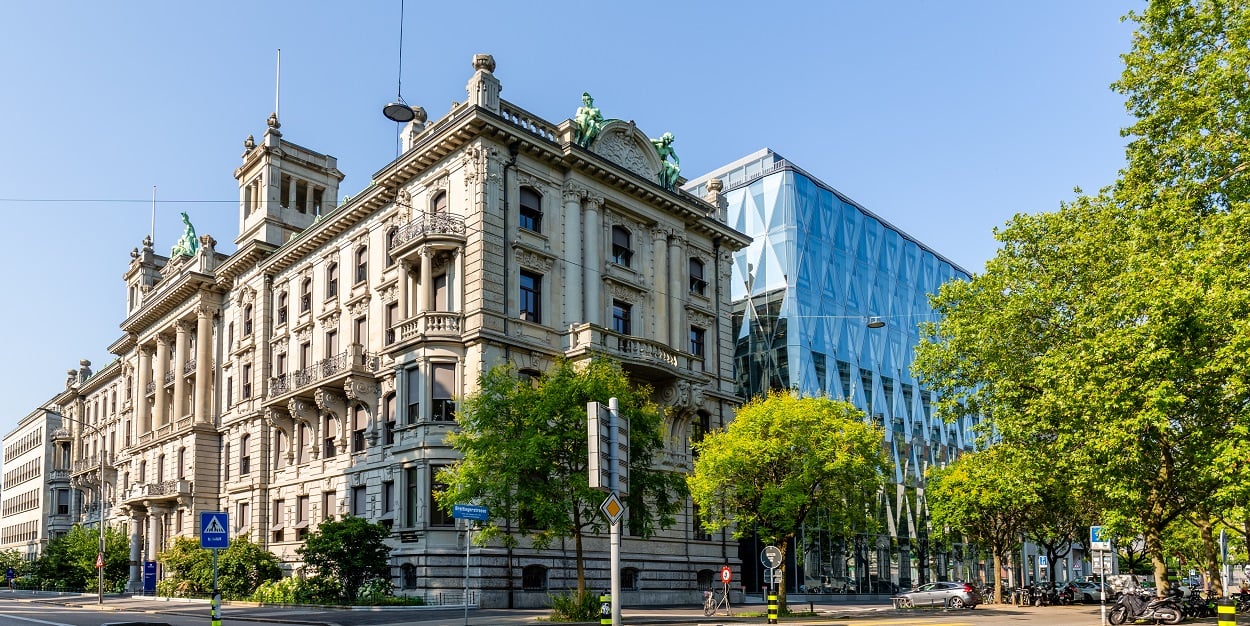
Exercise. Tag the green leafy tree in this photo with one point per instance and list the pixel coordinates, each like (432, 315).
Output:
(188, 568)
(344, 554)
(243, 567)
(524, 455)
(13, 559)
(781, 459)
(981, 498)
(1115, 330)
(69, 560)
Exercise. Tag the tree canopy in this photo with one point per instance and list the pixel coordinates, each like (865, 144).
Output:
(781, 459)
(1115, 330)
(524, 455)
(68, 561)
(346, 553)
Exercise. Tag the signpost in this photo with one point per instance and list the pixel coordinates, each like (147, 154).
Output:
(608, 464)
(469, 513)
(1098, 542)
(214, 535)
(771, 557)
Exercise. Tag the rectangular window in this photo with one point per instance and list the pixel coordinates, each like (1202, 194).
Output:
(388, 419)
(329, 505)
(332, 281)
(697, 336)
(62, 501)
(247, 381)
(305, 355)
(242, 516)
(279, 365)
(301, 518)
(392, 316)
(531, 210)
(437, 516)
(440, 293)
(531, 297)
(332, 343)
(229, 392)
(622, 251)
(279, 520)
(388, 497)
(698, 285)
(359, 422)
(360, 330)
(412, 493)
(442, 384)
(358, 501)
(413, 393)
(621, 317)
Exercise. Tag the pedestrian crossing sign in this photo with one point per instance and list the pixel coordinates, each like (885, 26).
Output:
(214, 529)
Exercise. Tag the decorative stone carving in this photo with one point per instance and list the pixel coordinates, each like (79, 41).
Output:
(530, 259)
(622, 143)
(360, 305)
(573, 191)
(525, 179)
(362, 389)
(629, 294)
(330, 401)
(699, 318)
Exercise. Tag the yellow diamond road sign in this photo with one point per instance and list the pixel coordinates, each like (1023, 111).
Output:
(612, 508)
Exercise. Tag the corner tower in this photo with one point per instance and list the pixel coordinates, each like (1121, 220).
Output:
(283, 188)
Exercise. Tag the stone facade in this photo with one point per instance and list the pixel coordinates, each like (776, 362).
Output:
(314, 373)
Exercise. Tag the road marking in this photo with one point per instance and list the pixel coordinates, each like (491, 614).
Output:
(37, 621)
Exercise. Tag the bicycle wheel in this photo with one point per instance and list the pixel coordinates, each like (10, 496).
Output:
(709, 607)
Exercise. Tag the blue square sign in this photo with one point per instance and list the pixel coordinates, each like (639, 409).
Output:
(214, 529)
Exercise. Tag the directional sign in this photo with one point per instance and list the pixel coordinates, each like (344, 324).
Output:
(214, 529)
(470, 511)
(1097, 541)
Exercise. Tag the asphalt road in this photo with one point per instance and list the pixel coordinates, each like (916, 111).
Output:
(28, 610)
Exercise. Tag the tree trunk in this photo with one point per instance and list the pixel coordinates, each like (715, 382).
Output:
(998, 580)
(1154, 547)
(781, 586)
(577, 548)
(1210, 553)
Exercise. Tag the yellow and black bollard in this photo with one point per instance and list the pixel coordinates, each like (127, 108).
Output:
(605, 609)
(1226, 612)
(773, 608)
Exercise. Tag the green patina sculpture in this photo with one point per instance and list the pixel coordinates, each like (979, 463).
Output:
(188, 244)
(669, 171)
(587, 122)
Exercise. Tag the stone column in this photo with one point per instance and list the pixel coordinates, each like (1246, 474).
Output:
(426, 281)
(204, 365)
(162, 367)
(404, 277)
(182, 330)
(291, 191)
(572, 250)
(659, 282)
(592, 262)
(136, 552)
(154, 531)
(458, 267)
(143, 412)
(676, 292)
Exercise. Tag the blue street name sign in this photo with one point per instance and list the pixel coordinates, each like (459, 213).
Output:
(214, 529)
(469, 511)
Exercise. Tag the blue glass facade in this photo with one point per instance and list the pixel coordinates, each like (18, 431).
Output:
(819, 270)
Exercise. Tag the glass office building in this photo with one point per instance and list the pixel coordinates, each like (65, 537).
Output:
(828, 300)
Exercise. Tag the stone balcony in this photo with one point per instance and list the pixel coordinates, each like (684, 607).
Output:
(430, 325)
(162, 490)
(330, 371)
(649, 358)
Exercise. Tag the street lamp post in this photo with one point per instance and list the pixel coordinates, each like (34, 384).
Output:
(100, 503)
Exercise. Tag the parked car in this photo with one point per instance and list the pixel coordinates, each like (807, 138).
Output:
(1091, 591)
(943, 594)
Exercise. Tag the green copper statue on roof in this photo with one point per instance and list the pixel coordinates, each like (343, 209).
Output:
(188, 244)
(669, 171)
(587, 122)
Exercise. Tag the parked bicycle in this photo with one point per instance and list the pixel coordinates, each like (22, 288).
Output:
(714, 601)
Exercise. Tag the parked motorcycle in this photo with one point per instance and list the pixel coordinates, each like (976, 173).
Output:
(1133, 605)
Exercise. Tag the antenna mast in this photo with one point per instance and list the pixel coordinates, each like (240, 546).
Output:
(277, 84)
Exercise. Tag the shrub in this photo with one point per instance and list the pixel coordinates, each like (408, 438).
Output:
(573, 608)
(277, 592)
(319, 590)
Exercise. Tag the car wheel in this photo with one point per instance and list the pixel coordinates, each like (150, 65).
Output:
(905, 603)
(955, 603)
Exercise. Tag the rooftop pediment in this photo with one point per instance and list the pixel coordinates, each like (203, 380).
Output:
(621, 142)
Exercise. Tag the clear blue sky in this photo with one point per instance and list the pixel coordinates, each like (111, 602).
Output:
(944, 118)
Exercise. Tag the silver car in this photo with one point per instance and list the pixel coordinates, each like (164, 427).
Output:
(941, 594)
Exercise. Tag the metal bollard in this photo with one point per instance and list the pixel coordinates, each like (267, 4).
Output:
(1226, 612)
(773, 608)
(605, 609)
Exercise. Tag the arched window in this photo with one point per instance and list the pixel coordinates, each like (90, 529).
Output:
(279, 448)
(305, 439)
(305, 295)
(704, 579)
(332, 281)
(629, 578)
(281, 308)
(622, 250)
(160, 468)
(182, 463)
(531, 211)
(362, 264)
(247, 320)
(534, 578)
(390, 244)
(409, 577)
(143, 471)
(438, 204)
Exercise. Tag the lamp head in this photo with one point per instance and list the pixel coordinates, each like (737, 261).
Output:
(876, 322)
(398, 112)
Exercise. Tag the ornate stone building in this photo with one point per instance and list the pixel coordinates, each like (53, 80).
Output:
(314, 373)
